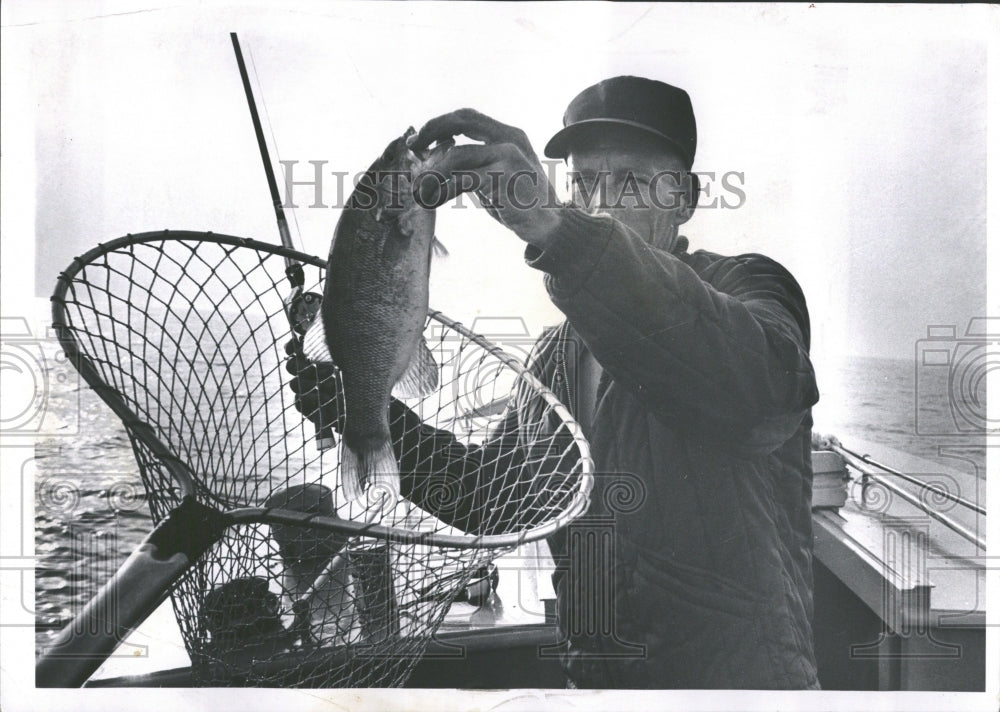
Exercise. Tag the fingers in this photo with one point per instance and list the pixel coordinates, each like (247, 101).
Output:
(312, 375)
(320, 406)
(472, 157)
(308, 376)
(470, 123)
(465, 169)
(441, 147)
(297, 364)
(318, 395)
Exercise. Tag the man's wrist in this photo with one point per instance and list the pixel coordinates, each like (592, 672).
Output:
(573, 248)
(543, 225)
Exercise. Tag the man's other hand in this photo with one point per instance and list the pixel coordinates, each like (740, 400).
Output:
(318, 392)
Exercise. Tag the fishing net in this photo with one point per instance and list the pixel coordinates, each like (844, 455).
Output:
(183, 335)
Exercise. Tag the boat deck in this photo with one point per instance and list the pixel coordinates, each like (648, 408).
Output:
(900, 596)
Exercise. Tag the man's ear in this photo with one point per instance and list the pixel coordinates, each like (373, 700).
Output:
(692, 191)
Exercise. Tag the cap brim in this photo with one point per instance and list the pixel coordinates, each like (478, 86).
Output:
(560, 145)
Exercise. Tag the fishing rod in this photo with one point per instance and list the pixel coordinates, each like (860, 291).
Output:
(301, 307)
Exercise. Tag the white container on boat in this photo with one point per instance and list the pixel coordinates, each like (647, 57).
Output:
(830, 478)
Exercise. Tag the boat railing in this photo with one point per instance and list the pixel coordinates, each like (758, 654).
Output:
(885, 476)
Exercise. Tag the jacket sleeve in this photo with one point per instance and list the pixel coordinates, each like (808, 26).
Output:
(727, 345)
(509, 482)
(453, 481)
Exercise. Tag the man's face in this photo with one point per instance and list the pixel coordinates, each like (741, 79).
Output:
(636, 180)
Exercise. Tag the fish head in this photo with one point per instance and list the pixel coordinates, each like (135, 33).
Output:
(388, 187)
(397, 155)
(400, 156)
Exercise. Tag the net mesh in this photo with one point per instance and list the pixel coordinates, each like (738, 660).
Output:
(184, 335)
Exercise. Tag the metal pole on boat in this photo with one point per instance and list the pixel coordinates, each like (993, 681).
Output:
(865, 467)
(937, 492)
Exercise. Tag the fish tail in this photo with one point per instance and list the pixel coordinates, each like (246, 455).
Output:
(362, 467)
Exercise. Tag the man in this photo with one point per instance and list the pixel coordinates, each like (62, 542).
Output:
(690, 374)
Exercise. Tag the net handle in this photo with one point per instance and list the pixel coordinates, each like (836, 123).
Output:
(188, 483)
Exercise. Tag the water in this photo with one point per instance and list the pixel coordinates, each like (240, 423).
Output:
(90, 509)
(925, 411)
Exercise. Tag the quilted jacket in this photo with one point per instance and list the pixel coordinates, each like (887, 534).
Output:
(693, 566)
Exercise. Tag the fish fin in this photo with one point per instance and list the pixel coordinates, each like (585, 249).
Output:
(439, 249)
(361, 468)
(386, 475)
(314, 345)
(420, 376)
(350, 473)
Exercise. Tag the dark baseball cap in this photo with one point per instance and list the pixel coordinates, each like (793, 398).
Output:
(653, 107)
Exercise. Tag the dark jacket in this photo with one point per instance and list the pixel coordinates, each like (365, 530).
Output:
(693, 567)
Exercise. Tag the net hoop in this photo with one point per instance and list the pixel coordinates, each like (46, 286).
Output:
(187, 481)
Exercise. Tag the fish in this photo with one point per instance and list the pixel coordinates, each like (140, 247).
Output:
(374, 308)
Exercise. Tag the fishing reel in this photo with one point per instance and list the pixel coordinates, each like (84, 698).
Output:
(302, 308)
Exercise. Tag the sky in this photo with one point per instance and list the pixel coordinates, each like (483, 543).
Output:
(858, 135)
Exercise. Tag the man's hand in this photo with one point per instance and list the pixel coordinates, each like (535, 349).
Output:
(824, 442)
(503, 172)
(318, 394)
